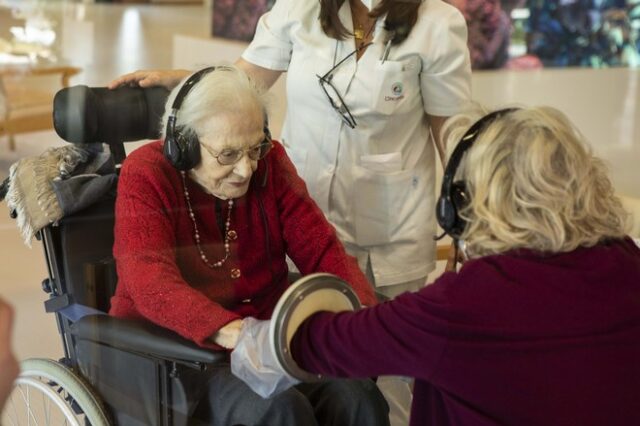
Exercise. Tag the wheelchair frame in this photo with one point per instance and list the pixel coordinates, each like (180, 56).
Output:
(170, 371)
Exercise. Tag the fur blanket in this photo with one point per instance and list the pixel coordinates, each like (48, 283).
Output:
(43, 189)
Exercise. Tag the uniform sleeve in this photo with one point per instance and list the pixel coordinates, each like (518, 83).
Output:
(405, 336)
(311, 240)
(146, 260)
(271, 46)
(446, 68)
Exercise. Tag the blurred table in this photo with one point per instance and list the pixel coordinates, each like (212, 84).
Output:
(26, 97)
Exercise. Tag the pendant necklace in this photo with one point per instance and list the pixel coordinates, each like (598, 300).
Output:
(196, 233)
(360, 35)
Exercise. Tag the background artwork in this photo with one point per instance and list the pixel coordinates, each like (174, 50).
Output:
(587, 33)
(237, 19)
(522, 34)
(514, 34)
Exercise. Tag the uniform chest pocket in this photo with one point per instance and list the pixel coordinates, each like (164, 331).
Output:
(394, 83)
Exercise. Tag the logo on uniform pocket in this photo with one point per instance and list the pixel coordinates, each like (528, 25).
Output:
(397, 89)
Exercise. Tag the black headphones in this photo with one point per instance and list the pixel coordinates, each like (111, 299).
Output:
(182, 149)
(453, 195)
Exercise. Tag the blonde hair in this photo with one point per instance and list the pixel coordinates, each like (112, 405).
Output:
(533, 183)
(226, 89)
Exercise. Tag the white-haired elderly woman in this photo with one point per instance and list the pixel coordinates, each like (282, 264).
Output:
(541, 325)
(202, 230)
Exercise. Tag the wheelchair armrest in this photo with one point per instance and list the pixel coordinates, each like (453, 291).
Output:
(144, 338)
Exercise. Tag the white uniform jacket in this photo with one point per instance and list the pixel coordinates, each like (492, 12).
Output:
(375, 183)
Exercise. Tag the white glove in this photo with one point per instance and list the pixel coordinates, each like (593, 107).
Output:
(254, 362)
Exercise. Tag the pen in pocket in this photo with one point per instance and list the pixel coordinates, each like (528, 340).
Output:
(387, 48)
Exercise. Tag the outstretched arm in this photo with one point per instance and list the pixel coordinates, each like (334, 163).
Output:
(150, 78)
(264, 77)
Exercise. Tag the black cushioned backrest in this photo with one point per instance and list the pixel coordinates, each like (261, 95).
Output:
(83, 241)
(84, 114)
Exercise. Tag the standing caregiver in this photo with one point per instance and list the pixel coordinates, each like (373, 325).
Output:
(368, 82)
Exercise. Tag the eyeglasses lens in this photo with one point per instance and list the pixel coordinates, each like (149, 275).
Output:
(228, 157)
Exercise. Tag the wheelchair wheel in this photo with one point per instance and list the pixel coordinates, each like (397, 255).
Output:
(49, 393)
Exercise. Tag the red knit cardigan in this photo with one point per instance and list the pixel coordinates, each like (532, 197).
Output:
(161, 276)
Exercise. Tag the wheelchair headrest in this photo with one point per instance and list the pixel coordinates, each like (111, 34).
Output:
(84, 114)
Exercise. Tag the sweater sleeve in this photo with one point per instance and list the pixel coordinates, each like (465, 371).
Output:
(145, 252)
(311, 240)
(405, 336)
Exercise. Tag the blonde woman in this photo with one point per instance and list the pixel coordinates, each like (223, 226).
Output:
(541, 325)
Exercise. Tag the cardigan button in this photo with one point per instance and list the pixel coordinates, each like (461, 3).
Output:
(232, 235)
(235, 273)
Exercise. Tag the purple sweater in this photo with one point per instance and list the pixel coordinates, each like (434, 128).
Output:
(513, 339)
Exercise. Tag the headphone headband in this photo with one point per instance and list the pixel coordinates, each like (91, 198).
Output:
(182, 151)
(465, 143)
(452, 194)
(186, 87)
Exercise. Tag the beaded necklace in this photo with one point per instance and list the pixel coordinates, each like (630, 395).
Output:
(196, 233)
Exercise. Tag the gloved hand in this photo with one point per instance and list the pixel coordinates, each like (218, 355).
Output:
(254, 362)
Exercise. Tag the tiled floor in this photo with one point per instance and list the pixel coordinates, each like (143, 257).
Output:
(106, 40)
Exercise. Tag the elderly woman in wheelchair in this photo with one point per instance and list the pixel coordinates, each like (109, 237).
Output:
(204, 222)
(201, 237)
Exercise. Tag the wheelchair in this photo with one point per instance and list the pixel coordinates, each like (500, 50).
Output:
(114, 371)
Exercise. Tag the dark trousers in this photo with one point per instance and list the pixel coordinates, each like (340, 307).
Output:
(339, 402)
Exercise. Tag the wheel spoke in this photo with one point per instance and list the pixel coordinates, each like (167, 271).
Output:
(29, 408)
(24, 399)
(46, 406)
(15, 412)
(48, 392)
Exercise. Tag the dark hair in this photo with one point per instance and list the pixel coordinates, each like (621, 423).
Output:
(401, 17)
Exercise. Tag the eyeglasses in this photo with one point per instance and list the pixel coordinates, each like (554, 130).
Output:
(229, 157)
(332, 93)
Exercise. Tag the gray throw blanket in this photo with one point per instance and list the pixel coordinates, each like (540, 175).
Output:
(61, 181)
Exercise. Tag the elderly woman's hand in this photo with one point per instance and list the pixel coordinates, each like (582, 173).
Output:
(9, 367)
(150, 78)
(227, 336)
(254, 362)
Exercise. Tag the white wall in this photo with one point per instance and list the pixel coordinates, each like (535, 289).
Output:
(604, 104)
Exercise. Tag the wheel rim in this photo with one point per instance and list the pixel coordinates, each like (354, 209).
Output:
(38, 402)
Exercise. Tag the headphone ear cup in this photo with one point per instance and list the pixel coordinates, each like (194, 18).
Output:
(172, 151)
(459, 200)
(445, 213)
(191, 151)
(182, 150)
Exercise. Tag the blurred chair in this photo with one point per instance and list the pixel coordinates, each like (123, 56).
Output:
(632, 205)
(26, 98)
